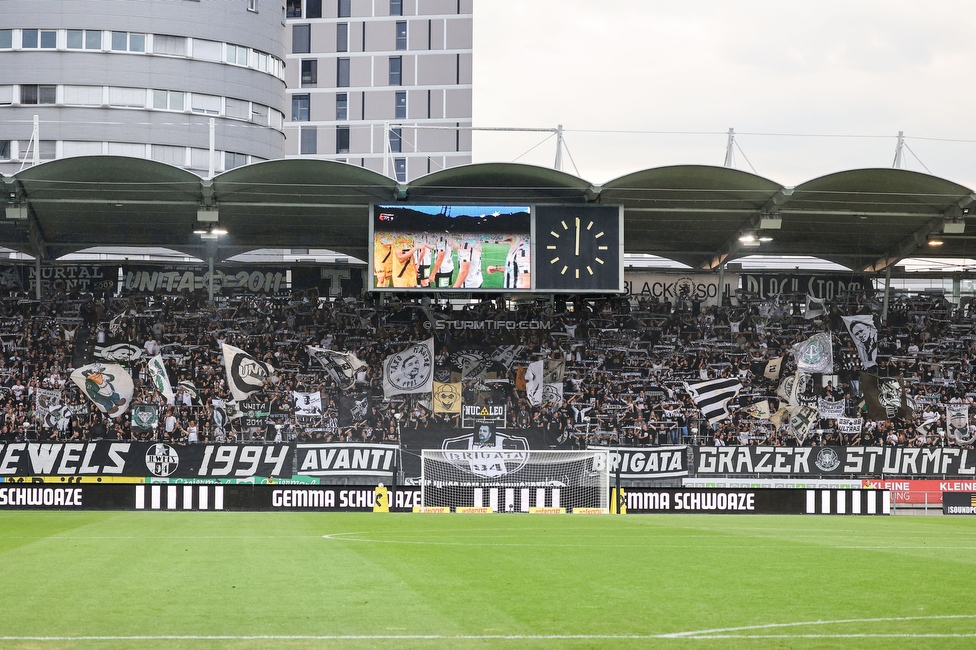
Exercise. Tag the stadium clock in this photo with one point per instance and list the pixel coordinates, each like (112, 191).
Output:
(578, 248)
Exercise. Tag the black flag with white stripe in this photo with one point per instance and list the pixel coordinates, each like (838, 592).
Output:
(712, 396)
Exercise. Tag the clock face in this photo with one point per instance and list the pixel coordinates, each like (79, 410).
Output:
(577, 248)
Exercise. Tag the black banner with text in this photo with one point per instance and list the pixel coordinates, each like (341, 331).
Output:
(142, 459)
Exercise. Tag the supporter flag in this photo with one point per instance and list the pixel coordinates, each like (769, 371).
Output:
(447, 397)
(773, 368)
(711, 397)
(224, 412)
(929, 423)
(850, 425)
(108, 386)
(145, 418)
(308, 404)
(47, 407)
(505, 354)
(159, 378)
(245, 373)
(353, 409)
(410, 371)
(785, 389)
(342, 366)
(555, 371)
(520, 377)
(830, 409)
(802, 419)
(533, 382)
(957, 423)
(884, 397)
(781, 416)
(865, 337)
(552, 394)
(815, 355)
(815, 308)
(190, 389)
(759, 410)
(805, 389)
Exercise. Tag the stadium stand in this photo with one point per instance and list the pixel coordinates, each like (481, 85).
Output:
(625, 367)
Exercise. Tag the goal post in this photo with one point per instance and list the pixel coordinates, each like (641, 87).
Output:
(507, 480)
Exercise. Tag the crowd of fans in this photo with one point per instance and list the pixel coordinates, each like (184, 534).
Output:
(626, 361)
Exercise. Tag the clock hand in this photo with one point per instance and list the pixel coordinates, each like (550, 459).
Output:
(577, 235)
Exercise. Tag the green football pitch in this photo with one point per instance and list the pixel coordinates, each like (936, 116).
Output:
(301, 580)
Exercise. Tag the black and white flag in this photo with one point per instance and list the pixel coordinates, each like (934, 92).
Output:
(342, 366)
(957, 424)
(711, 397)
(308, 404)
(245, 374)
(534, 383)
(802, 419)
(410, 371)
(815, 355)
(830, 409)
(865, 336)
(815, 308)
(885, 397)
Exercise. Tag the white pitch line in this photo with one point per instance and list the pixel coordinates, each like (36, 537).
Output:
(769, 626)
(719, 633)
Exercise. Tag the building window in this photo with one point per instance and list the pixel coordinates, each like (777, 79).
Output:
(344, 8)
(172, 45)
(342, 37)
(310, 73)
(301, 39)
(124, 41)
(44, 38)
(207, 104)
(342, 106)
(401, 105)
(235, 54)
(342, 139)
(6, 42)
(4, 149)
(293, 9)
(33, 94)
(400, 169)
(396, 7)
(313, 8)
(252, 5)
(401, 35)
(342, 73)
(300, 108)
(87, 39)
(308, 140)
(396, 140)
(172, 100)
(232, 160)
(396, 68)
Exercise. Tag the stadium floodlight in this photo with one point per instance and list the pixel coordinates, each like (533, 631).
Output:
(515, 480)
(771, 222)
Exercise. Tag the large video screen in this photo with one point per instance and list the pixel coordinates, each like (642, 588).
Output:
(451, 248)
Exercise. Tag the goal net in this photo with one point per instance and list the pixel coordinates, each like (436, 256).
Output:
(515, 480)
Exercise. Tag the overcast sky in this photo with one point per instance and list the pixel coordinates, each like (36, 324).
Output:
(810, 88)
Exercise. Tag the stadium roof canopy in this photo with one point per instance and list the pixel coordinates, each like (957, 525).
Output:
(864, 219)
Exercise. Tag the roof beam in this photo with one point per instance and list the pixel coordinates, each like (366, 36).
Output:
(778, 200)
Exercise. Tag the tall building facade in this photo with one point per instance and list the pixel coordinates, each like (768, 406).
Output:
(142, 78)
(383, 84)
